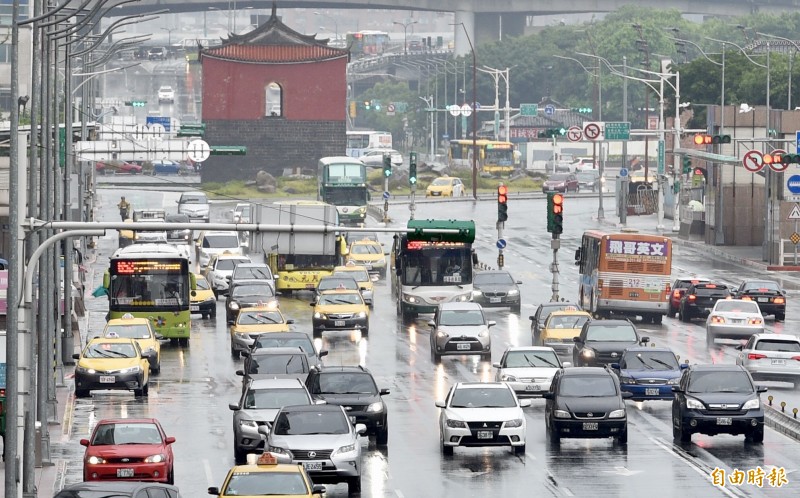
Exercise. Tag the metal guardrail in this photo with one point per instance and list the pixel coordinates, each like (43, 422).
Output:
(789, 253)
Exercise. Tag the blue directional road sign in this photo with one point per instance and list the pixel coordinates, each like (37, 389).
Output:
(793, 184)
(164, 121)
(501, 243)
(623, 172)
(797, 144)
(549, 109)
(386, 195)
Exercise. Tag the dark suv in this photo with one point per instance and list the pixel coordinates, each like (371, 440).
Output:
(699, 300)
(602, 342)
(717, 399)
(353, 388)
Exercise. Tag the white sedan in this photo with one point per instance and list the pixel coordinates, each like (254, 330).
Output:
(733, 319)
(528, 370)
(482, 414)
(373, 158)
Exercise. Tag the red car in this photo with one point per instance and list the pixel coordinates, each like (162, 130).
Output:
(678, 290)
(128, 449)
(114, 167)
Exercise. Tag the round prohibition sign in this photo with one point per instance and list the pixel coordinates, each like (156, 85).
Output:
(778, 166)
(592, 131)
(574, 134)
(753, 161)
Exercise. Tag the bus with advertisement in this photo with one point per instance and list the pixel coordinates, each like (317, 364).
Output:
(152, 281)
(432, 268)
(624, 274)
(367, 42)
(358, 142)
(343, 183)
(493, 156)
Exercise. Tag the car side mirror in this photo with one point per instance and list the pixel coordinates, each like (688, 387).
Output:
(626, 395)
(361, 429)
(739, 347)
(320, 402)
(762, 389)
(213, 491)
(644, 340)
(615, 366)
(84, 442)
(313, 303)
(290, 321)
(566, 364)
(169, 439)
(431, 324)
(263, 430)
(246, 354)
(684, 366)
(384, 392)
(240, 373)
(440, 404)
(524, 403)
(318, 489)
(177, 202)
(577, 340)
(677, 389)
(496, 365)
(76, 356)
(532, 318)
(491, 323)
(547, 395)
(234, 407)
(160, 337)
(519, 282)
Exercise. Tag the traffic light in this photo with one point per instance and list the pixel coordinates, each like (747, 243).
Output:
(582, 110)
(502, 203)
(387, 165)
(412, 168)
(136, 103)
(790, 159)
(703, 139)
(555, 213)
(552, 132)
(687, 165)
(367, 104)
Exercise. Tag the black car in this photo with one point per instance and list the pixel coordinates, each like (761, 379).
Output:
(118, 489)
(699, 300)
(336, 283)
(769, 296)
(178, 236)
(585, 403)
(589, 180)
(283, 362)
(539, 318)
(290, 340)
(249, 295)
(602, 342)
(679, 287)
(496, 288)
(717, 399)
(353, 388)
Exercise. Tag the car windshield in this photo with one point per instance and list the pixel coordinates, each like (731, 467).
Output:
(492, 278)
(110, 350)
(275, 398)
(587, 386)
(229, 264)
(461, 317)
(337, 283)
(202, 283)
(178, 218)
(611, 333)
(265, 484)
(366, 249)
(442, 182)
(354, 236)
(308, 422)
(557, 178)
(358, 275)
(252, 273)
(547, 309)
(112, 434)
(278, 364)
(140, 331)
(194, 199)
(259, 317)
(343, 383)
(736, 306)
(270, 341)
(254, 290)
(567, 321)
(719, 382)
(778, 345)
(343, 298)
(586, 177)
(649, 360)
(757, 286)
(538, 359)
(482, 397)
(221, 241)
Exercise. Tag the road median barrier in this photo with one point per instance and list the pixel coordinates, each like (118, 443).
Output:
(781, 419)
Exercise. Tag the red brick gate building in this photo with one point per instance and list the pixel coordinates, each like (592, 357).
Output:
(280, 93)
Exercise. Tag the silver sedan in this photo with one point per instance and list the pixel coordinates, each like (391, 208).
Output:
(733, 319)
(771, 357)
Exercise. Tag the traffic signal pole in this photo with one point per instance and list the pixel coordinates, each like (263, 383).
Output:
(555, 244)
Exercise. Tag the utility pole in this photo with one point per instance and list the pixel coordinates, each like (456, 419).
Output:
(623, 209)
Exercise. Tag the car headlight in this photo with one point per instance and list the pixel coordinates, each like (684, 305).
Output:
(753, 404)
(476, 292)
(627, 380)
(410, 299)
(362, 209)
(361, 314)
(375, 407)
(674, 382)
(484, 333)
(278, 450)
(241, 335)
(561, 414)
(513, 292)
(250, 424)
(319, 316)
(694, 404)
(346, 449)
(508, 378)
(130, 370)
(456, 424)
(587, 353)
(85, 370)
(463, 298)
(510, 424)
(441, 334)
(155, 459)
(617, 414)
(95, 460)
(233, 305)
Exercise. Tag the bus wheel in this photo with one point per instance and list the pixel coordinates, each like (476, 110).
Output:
(183, 341)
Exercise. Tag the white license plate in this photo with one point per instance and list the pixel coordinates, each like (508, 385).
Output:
(651, 391)
(107, 379)
(532, 387)
(778, 362)
(463, 346)
(368, 266)
(724, 421)
(312, 465)
(494, 299)
(194, 307)
(590, 426)
(763, 299)
(338, 323)
(485, 435)
(124, 472)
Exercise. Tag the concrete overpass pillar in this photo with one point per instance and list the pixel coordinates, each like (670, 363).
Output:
(493, 27)
(461, 43)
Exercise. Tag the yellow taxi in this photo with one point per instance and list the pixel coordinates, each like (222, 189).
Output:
(445, 186)
(361, 276)
(111, 363)
(368, 253)
(560, 328)
(138, 329)
(264, 476)
(252, 322)
(340, 309)
(202, 301)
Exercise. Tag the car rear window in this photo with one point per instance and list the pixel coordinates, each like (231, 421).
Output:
(711, 290)
(758, 286)
(737, 306)
(778, 345)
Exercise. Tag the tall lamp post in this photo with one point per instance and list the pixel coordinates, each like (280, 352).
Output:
(474, 115)
(791, 57)
(169, 35)
(405, 26)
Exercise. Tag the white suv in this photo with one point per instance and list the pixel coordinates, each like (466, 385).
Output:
(166, 94)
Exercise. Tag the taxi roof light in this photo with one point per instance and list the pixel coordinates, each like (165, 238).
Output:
(265, 459)
(127, 316)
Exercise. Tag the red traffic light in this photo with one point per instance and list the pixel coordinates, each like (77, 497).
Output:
(558, 204)
(702, 139)
(502, 194)
(769, 159)
(698, 171)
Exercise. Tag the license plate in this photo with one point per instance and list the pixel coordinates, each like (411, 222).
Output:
(763, 299)
(339, 323)
(779, 362)
(312, 465)
(368, 266)
(194, 307)
(724, 421)
(311, 286)
(590, 426)
(463, 346)
(107, 379)
(651, 391)
(532, 387)
(124, 472)
(494, 299)
(485, 434)
(435, 193)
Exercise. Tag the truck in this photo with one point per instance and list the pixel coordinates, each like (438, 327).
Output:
(298, 260)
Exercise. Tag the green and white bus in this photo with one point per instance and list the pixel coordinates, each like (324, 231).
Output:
(152, 281)
(343, 183)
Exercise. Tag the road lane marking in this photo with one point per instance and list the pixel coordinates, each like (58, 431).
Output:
(207, 470)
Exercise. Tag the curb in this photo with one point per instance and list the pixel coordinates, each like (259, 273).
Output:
(781, 422)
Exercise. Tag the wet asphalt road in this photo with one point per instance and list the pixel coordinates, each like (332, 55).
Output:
(191, 394)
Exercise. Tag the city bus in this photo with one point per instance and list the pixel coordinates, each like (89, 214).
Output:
(152, 281)
(493, 157)
(624, 274)
(359, 142)
(430, 268)
(343, 183)
(367, 42)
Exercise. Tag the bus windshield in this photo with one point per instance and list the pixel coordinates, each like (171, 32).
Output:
(345, 196)
(345, 173)
(164, 290)
(424, 266)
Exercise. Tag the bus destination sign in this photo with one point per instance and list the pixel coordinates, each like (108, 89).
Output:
(144, 266)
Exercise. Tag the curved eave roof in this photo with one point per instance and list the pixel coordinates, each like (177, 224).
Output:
(275, 54)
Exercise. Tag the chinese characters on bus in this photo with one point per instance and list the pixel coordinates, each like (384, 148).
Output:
(631, 249)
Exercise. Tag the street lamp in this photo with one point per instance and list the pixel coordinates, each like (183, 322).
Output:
(405, 26)
(474, 115)
(169, 35)
(791, 57)
(335, 25)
